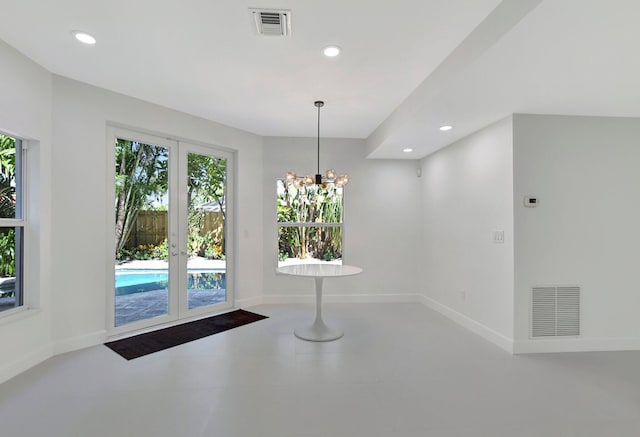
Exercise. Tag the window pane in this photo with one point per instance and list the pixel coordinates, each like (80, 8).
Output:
(10, 177)
(309, 204)
(309, 244)
(11, 256)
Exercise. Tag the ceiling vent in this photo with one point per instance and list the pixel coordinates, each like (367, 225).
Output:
(555, 311)
(273, 22)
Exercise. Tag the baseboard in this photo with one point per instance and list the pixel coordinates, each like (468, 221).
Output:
(249, 302)
(25, 363)
(285, 299)
(472, 325)
(552, 345)
(80, 342)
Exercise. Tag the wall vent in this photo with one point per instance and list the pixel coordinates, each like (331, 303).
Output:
(555, 311)
(272, 22)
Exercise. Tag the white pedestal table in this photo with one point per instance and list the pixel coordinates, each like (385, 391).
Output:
(319, 331)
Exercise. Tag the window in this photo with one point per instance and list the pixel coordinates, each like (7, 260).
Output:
(309, 223)
(11, 223)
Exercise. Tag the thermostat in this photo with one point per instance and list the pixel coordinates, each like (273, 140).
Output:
(531, 201)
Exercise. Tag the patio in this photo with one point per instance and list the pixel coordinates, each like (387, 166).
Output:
(7, 303)
(139, 306)
(155, 302)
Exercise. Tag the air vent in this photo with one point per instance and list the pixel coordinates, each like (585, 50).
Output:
(555, 311)
(272, 22)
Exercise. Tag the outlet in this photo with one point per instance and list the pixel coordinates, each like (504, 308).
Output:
(463, 296)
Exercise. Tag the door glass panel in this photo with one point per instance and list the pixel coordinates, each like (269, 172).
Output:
(141, 231)
(206, 217)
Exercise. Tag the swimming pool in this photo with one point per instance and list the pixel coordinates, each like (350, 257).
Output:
(138, 281)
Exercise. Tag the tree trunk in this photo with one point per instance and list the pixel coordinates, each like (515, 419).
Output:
(121, 209)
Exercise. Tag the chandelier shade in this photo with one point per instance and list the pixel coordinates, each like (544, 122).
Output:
(330, 176)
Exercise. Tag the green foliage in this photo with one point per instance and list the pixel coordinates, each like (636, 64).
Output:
(206, 183)
(7, 176)
(7, 252)
(289, 243)
(161, 251)
(141, 176)
(317, 204)
(214, 252)
(144, 252)
(207, 179)
(7, 204)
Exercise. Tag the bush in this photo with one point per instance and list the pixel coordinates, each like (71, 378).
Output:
(214, 252)
(161, 251)
(145, 252)
(7, 252)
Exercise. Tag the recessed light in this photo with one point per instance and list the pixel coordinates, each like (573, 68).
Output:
(331, 51)
(84, 37)
(446, 127)
(407, 150)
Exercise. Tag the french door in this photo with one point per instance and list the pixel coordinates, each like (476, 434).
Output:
(172, 237)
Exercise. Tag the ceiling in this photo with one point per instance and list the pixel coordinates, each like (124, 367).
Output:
(407, 66)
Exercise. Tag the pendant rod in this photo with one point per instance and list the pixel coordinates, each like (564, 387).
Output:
(318, 104)
(318, 170)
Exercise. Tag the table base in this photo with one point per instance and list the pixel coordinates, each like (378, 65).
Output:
(318, 332)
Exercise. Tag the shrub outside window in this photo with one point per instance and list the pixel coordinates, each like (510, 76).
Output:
(310, 221)
(11, 223)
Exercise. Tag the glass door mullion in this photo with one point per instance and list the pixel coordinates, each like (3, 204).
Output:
(182, 248)
(174, 253)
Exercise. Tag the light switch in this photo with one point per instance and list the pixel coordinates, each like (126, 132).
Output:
(498, 237)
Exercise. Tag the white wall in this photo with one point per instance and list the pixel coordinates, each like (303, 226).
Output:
(25, 111)
(467, 194)
(585, 231)
(80, 213)
(381, 220)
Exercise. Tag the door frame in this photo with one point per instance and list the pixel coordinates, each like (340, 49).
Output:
(178, 304)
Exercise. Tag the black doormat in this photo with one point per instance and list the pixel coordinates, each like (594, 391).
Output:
(145, 344)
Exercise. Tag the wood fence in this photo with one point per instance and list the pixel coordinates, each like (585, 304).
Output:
(151, 227)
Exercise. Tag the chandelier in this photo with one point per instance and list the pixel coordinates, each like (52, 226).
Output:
(330, 175)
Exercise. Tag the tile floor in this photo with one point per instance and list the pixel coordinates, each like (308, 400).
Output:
(400, 370)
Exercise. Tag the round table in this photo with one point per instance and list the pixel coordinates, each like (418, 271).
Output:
(319, 331)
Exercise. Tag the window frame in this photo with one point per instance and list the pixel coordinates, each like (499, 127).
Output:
(19, 222)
